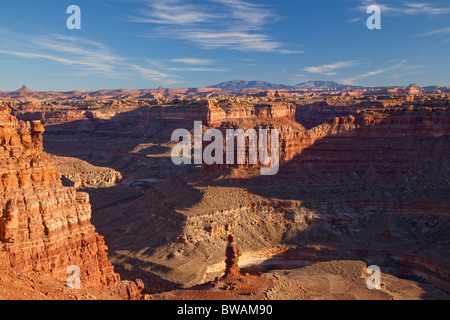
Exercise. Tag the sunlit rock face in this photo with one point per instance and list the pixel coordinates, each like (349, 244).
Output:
(44, 227)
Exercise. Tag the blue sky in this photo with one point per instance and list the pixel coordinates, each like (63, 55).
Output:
(185, 43)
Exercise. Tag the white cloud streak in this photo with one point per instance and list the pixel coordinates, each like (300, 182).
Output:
(198, 69)
(171, 12)
(329, 69)
(79, 53)
(435, 32)
(194, 61)
(407, 8)
(352, 80)
(215, 24)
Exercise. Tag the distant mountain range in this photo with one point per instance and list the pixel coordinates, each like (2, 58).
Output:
(325, 85)
(238, 85)
(232, 87)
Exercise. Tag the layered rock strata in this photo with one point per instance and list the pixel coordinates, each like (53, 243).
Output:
(359, 181)
(45, 227)
(233, 252)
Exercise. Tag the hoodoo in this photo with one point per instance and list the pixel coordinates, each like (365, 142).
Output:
(233, 253)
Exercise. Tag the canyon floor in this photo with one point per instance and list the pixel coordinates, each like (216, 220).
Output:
(361, 182)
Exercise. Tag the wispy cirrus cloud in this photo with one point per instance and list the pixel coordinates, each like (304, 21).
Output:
(153, 75)
(230, 39)
(171, 12)
(438, 34)
(81, 52)
(253, 15)
(397, 76)
(194, 61)
(83, 55)
(407, 8)
(70, 51)
(213, 24)
(443, 34)
(355, 20)
(443, 31)
(351, 80)
(186, 64)
(329, 69)
(197, 69)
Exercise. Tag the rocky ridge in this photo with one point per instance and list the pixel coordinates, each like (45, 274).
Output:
(44, 227)
(366, 179)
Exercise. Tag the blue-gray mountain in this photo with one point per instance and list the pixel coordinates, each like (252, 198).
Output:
(238, 85)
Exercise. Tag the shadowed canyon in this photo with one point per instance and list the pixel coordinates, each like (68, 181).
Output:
(87, 179)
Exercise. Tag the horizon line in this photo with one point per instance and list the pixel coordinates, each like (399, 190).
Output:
(214, 86)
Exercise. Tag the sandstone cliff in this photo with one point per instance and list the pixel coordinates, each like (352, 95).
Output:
(44, 227)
